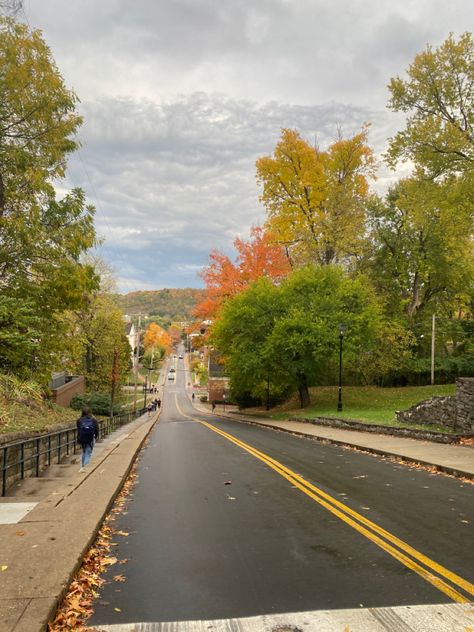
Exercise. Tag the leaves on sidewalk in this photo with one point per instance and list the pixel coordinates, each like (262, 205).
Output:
(77, 606)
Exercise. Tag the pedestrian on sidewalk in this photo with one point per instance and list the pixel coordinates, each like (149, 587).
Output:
(193, 396)
(87, 433)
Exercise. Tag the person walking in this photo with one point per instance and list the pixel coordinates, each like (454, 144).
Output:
(87, 432)
(193, 396)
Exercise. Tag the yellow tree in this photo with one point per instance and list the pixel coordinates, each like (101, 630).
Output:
(156, 336)
(315, 199)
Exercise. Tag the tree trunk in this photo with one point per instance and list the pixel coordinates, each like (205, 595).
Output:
(303, 390)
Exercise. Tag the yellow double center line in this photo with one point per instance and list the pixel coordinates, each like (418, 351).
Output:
(395, 547)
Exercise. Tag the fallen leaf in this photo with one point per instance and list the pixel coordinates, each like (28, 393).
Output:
(230, 497)
(122, 533)
(3, 568)
(20, 533)
(109, 560)
(117, 610)
(119, 578)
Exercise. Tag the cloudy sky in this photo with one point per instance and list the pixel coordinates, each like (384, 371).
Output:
(181, 96)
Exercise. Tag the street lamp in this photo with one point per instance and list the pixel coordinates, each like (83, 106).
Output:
(342, 329)
(223, 397)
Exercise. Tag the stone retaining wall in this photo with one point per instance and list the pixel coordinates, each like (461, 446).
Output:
(352, 424)
(455, 412)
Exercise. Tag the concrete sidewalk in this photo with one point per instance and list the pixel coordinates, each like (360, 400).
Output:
(47, 525)
(456, 460)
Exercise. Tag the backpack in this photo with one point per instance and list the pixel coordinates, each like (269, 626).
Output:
(86, 431)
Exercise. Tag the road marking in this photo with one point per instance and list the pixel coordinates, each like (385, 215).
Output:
(353, 518)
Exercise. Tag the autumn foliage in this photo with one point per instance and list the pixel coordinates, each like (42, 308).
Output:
(156, 336)
(315, 199)
(259, 257)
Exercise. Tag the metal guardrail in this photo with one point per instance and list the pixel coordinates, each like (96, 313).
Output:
(43, 450)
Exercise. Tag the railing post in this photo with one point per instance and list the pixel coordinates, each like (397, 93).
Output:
(59, 447)
(38, 441)
(4, 470)
(49, 450)
(22, 459)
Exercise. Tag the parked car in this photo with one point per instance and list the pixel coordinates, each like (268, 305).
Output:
(171, 377)
(172, 370)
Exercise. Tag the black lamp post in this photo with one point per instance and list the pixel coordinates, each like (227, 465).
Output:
(342, 329)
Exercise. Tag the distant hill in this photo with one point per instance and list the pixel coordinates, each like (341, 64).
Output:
(169, 304)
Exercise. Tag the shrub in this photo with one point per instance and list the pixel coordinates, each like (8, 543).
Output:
(99, 403)
(203, 398)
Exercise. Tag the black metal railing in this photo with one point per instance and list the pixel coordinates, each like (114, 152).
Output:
(30, 456)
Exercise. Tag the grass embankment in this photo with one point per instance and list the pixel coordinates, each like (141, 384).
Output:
(368, 404)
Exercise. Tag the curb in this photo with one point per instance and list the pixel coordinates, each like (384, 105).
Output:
(439, 468)
(46, 613)
(106, 511)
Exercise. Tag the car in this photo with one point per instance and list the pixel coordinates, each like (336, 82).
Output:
(180, 357)
(171, 377)
(172, 370)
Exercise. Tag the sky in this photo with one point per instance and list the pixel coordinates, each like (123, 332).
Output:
(180, 97)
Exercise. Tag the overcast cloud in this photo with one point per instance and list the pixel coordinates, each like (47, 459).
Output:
(181, 96)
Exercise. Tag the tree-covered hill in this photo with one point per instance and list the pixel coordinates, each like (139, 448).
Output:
(170, 304)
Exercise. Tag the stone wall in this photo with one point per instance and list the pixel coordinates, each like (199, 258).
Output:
(456, 411)
(465, 404)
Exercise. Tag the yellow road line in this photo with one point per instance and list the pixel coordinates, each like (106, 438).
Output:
(349, 516)
(455, 579)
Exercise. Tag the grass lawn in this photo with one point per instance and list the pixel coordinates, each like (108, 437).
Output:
(369, 404)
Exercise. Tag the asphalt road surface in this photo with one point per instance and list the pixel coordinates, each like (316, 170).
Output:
(232, 520)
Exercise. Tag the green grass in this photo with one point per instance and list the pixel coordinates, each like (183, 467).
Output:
(368, 404)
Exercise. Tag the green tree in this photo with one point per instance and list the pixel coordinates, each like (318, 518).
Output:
(286, 337)
(41, 238)
(438, 98)
(98, 332)
(422, 238)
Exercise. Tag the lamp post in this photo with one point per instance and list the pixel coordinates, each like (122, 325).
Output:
(339, 398)
(223, 397)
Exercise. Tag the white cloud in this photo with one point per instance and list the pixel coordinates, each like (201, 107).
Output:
(181, 96)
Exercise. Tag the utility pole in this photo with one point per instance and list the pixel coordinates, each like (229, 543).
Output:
(433, 328)
(114, 377)
(137, 357)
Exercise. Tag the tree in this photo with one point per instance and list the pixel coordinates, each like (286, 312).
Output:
(38, 119)
(438, 98)
(422, 238)
(257, 258)
(156, 336)
(42, 239)
(287, 336)
(315, 199)
(97, 335)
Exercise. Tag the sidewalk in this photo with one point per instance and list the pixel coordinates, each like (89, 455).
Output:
(452, 459)
(48, 523)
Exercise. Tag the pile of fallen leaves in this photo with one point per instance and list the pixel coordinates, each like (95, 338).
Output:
(76, 606)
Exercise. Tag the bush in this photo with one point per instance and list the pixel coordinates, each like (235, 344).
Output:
(99, 403)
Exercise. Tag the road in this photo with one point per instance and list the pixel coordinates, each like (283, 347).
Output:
(233, 520)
